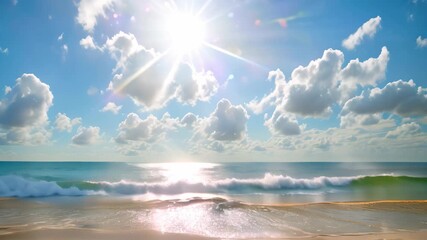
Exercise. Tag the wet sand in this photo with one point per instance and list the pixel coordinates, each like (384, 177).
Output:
(86, 234)
(370, 220)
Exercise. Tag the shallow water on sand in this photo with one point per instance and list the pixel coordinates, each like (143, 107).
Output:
(233, 200)
(216, 217)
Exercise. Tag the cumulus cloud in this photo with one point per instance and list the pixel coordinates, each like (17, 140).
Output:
(365, 121)
(217, 146)
(86, 136)
(64, 123)
(122, 45)
(27, 135)
(89, 10)
(26, 104)
(369, 29)
(148, 130)
(188, 120)
(192, 86)
(23, 111)
(226, 123)
(366, 73)
(399, 97)
(421, 42)
(145, 76)
(313, 89)
(281, 123)
(360, 120)
(88, 43)
(111, 107)
(407, 129)
(274, 97)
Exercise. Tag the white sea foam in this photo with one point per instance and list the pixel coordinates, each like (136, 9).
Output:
(269, 182)
(16, 186)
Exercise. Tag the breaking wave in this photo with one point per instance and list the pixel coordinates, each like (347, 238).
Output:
(268, 183)
(16, 186)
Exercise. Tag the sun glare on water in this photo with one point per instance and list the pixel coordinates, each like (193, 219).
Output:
(186, 32)
(182, 171)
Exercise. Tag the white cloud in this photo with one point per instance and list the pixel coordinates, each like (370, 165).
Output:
(366, 73)
(148, 130)
(421, 42)
(216, 146)
(281, 123)
(23, 111)
(64, 123)
(7, 90)
(189, 119)
(369, 29)
(309, 141)
(192, 86)
(88, 43)
(142, 75)
(274, 97)
(226, 123)
(224, 130)
(359, 120)
(89, 10)
(64, 49)
(407, 129)
(86, 136)
(366, 121)
(399, 97)
(313, 89)
(111, 107)
(122, 45)
(26, 104)
(27, 135)
(4, 50)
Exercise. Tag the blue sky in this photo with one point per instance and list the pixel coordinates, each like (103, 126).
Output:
(213, 80)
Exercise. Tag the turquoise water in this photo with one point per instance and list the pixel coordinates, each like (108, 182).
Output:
(227, 200)
(246, 182)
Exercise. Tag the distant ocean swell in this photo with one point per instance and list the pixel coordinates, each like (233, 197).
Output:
(17, 186)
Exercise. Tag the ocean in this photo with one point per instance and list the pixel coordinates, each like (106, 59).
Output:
(222, 200)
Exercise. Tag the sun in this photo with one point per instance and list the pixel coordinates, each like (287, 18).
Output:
(186, 32)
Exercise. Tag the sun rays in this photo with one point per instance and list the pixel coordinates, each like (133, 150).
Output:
(186, 33)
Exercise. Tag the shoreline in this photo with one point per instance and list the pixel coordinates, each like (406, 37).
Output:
(370, 220)
(349, 203)
(104, 234)
(218, 199)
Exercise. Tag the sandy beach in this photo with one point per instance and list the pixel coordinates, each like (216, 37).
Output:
(83, 234)
(390, 219)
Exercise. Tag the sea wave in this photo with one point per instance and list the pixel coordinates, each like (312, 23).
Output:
(268, 183)
(16, 186)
